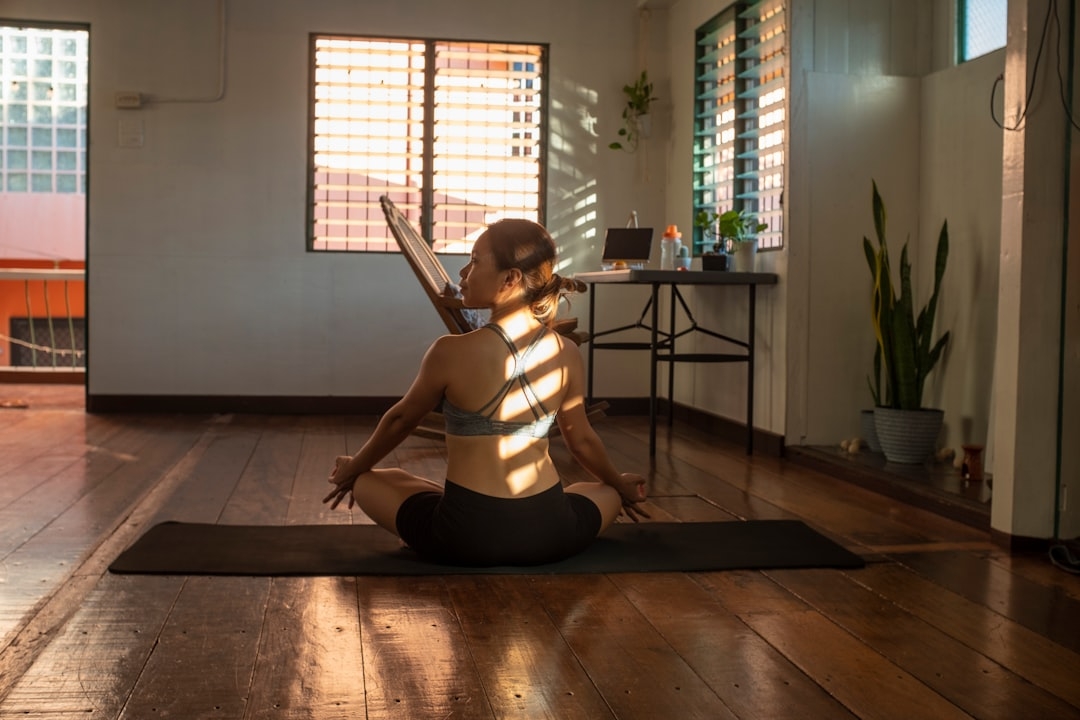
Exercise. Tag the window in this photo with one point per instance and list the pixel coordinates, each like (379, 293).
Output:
(981, 27)
(453, 132)
(43, 76)
(740, 116)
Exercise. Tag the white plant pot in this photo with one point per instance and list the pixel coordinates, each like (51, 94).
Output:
(644, 125)
(869, 430)
(742, 256)
(908, 436)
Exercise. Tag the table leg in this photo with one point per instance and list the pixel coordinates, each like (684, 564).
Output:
(592, 318)
(671, 365)
(652, 369)
(750, 375)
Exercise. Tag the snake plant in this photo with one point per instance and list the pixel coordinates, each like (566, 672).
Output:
(904, 353)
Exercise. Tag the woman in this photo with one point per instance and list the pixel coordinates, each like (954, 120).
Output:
(501, 388)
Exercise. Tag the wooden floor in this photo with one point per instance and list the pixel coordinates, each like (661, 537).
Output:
(940, 624)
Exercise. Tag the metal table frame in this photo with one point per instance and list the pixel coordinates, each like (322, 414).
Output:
(661, 345)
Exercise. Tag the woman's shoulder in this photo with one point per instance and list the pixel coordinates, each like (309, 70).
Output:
(447, 347)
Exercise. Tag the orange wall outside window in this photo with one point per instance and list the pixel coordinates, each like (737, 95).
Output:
(34, 229)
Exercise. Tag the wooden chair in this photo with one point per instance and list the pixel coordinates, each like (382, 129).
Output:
(438, 286)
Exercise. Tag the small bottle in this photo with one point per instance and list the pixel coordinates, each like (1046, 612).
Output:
(669, 247)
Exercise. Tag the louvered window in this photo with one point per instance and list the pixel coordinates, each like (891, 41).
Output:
(453, 132)
(740, 117)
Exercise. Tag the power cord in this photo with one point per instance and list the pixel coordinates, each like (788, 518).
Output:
(1051, 11)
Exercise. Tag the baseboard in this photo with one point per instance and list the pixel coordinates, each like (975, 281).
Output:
(43, 376)
(625, 405)
(765, 442)
(1020, 544)
(252, 404)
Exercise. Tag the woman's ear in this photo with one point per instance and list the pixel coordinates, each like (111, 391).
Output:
(514, 278)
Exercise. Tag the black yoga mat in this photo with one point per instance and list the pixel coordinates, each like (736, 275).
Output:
(196, 549)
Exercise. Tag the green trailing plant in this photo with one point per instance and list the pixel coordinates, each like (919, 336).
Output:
(639, 100)
(905, 353)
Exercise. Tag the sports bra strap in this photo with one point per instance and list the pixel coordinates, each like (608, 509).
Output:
(520, 358)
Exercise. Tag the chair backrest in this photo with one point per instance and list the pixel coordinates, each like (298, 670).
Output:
(434, 278)
(429, 271)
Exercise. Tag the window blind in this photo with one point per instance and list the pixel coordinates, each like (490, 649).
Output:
(763, 95)
(451, 131)
(714, 120)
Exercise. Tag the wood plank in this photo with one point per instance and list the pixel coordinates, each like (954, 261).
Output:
(201, 664)
(310, 657)
(416, 662)
(1037, 568)
(675, 474)
(749, 675)
(203, 495)
(525, 666)
(1042, 662)
(838, 508)
(1047, 611)
(628, 660)
(32, 572)
(62, 479)
(27, 454)
(45, 622)
(88, 670)
(262, 493)
(324, 439)
(963, 676)
(866, 683)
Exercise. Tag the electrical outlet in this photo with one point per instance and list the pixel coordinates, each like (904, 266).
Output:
(129, 100)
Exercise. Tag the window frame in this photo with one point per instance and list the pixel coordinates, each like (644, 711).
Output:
(421, 213)
(745, 168)
(41, 133)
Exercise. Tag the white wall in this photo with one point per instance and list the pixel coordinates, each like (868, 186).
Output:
(199, 280)
(863, 128)
(960, 181)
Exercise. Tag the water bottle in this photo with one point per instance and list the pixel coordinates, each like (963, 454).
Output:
(669, 247)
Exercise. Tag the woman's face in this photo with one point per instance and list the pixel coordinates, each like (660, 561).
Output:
(481, 279)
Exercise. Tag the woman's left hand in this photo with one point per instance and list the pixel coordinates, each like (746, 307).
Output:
(343, 483)
(632, 489)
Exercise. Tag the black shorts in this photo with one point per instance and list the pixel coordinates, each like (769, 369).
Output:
(464, 527)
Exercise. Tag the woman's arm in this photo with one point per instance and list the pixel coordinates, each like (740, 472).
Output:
(401, 419)
(584, 444)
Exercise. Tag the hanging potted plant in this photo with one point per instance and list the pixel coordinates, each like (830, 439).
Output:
(635, 114)
(905, 352)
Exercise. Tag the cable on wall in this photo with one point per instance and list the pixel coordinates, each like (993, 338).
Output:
(222, 34)
(1051, 12)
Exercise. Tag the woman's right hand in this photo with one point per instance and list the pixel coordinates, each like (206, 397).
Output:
(631, 487)
(342, 481)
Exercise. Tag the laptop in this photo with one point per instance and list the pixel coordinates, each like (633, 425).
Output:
(625, 249)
